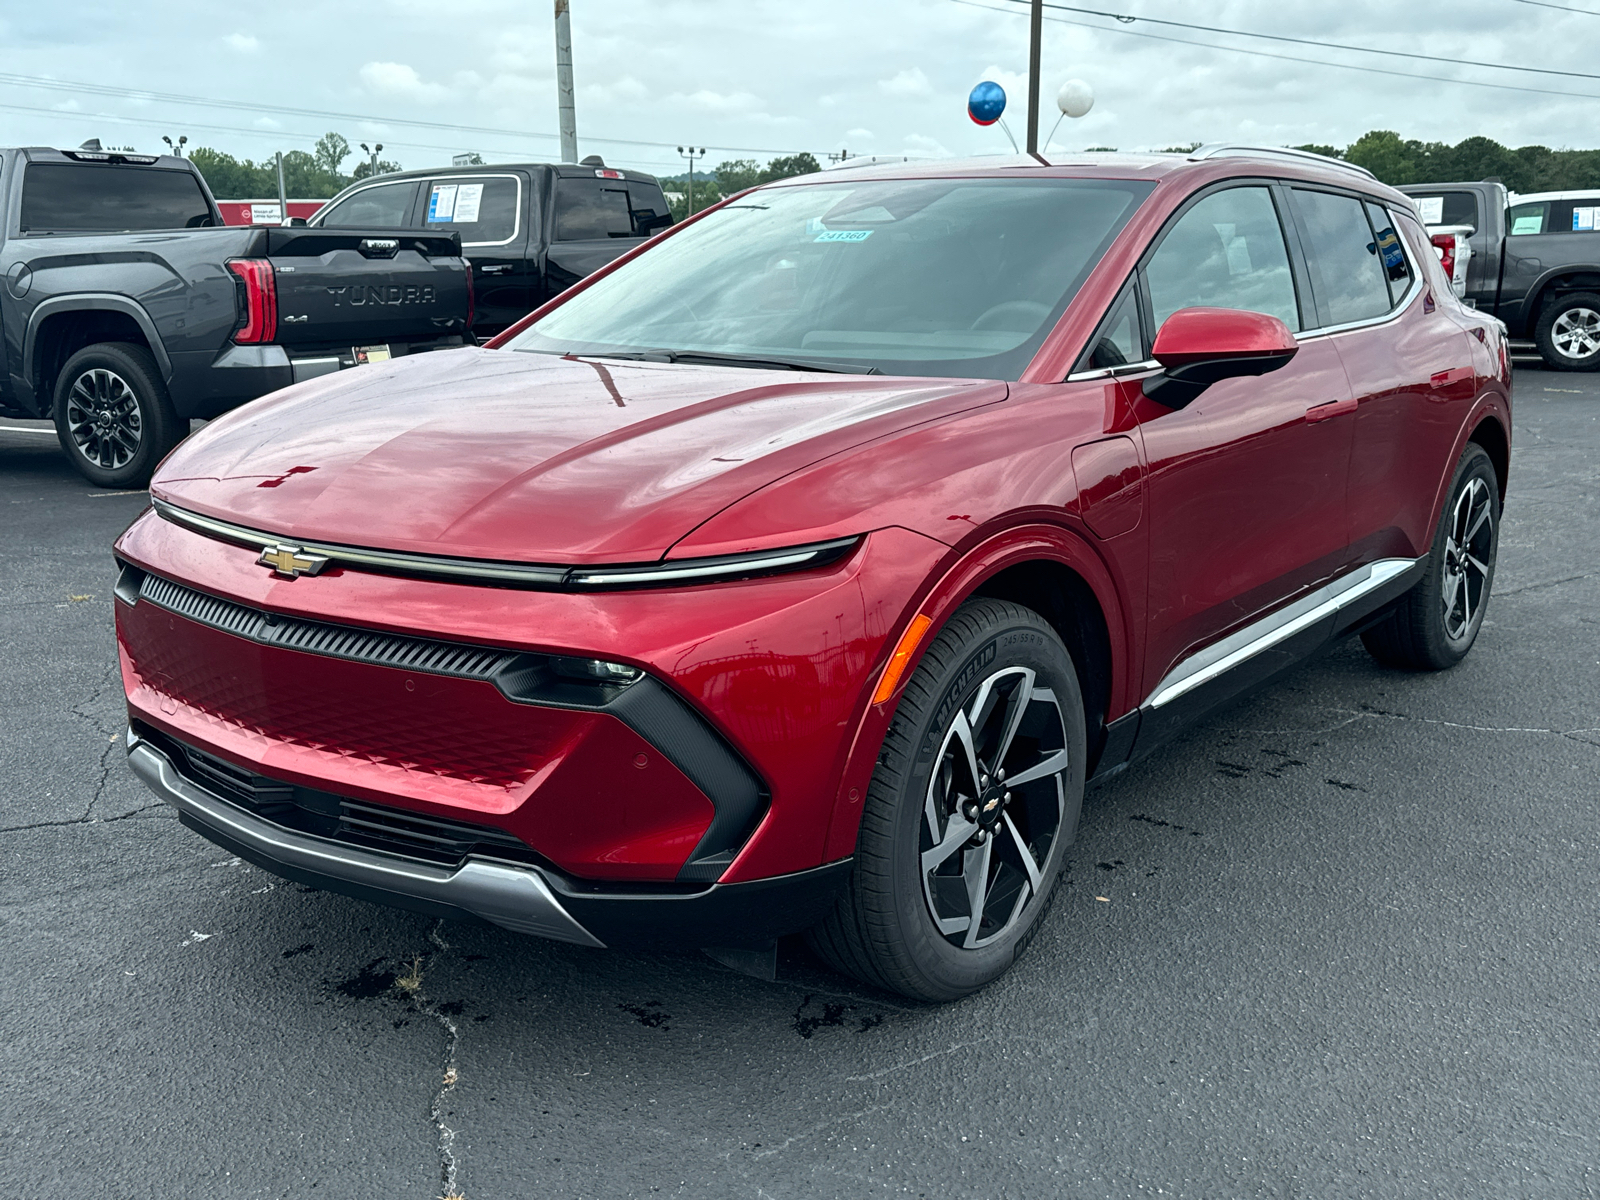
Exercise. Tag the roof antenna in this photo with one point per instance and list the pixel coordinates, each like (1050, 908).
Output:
(92, 144)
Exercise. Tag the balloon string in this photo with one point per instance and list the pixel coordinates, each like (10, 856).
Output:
(1007, 128)
(1053, 129)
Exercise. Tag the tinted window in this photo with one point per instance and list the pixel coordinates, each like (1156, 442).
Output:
(481, 210)
(91, 196)
(915, 277)
(1347, 271)
(1391, 252)
(1448, 208)
(1573, 216)
(384, 206)
(588, 209)
(1527, 218)
(648, 207)
(1118, 342)
(1225, 252)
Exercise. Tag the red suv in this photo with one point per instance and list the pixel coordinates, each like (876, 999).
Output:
(795, 571)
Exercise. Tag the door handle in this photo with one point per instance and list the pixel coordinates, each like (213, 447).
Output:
(1333, 408)
(494, 269)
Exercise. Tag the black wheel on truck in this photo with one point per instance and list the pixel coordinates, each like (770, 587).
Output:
(113, 415)
(1568, 332)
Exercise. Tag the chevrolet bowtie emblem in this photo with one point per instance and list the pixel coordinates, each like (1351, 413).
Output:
(290, 562)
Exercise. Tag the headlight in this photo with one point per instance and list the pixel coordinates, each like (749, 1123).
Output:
(690, 571)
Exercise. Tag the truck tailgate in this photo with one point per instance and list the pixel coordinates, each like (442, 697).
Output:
(359, 287)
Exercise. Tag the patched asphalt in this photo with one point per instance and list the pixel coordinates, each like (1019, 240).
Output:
(1342, 940)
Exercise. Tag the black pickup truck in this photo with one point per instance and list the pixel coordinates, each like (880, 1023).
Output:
(1535, 262)
(530, 230)
(129, 308)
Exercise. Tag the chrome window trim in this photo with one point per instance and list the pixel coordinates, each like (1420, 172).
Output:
(1219, 658)
(516, 228)
(1148, 364)
(1412, 296)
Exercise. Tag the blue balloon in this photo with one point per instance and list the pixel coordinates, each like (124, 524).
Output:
(987, 102)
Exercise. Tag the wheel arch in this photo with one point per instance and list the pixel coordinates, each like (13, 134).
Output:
(1555, 283)
(1492, 436)
(1048, 568)
(62, 325)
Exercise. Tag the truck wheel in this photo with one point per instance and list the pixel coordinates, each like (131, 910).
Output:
(1435, 623)
(971, 808)
(1568, 333)
(113, 415)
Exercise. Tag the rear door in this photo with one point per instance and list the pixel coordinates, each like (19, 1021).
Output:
(592, 223)
(1408, 362)
(1247, 483)
(491, 211)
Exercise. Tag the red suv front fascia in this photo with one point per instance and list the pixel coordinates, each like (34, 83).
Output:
(1144, 543)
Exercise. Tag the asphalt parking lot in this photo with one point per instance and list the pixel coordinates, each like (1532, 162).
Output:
(1343, 940)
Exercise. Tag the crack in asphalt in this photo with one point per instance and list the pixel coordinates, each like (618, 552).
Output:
(84, 820)
(1386, 715)
(1534, 587)
(448, 1163)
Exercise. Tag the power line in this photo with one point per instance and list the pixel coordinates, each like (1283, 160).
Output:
(1315, 62)
(1587, 12)
(1126, 19)
(101, 89)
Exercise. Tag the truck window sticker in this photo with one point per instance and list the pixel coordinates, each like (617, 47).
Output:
(469, 198)
(1432, 209)
(1583, 219)
(442, 203)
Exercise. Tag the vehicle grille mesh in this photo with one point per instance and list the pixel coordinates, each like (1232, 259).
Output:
(318, 637)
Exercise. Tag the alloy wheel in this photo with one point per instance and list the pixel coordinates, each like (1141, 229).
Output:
(1576, 333)
(1468, 550)
(104, 418)
(994, 808)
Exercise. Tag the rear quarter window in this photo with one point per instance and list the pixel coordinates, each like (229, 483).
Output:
(592, 209)
(108, 198)
(384, 206)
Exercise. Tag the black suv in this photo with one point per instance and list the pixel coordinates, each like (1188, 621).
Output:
(530, 230)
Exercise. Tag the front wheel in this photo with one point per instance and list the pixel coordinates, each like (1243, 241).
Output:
(970, 811)
(1568, 333)
(113, 415)
(1436, 622)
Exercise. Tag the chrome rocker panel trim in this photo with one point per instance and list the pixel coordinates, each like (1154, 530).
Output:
(1221, 657)
(512, 897)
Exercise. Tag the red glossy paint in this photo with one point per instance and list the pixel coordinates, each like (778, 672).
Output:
(1193, 335)
(1181, 524)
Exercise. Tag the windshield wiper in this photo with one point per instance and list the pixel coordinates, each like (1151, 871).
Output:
(712, 358)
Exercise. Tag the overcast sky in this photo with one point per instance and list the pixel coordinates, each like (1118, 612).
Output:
(753, 78)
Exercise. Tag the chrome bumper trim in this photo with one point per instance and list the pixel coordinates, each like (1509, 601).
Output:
(513, 897)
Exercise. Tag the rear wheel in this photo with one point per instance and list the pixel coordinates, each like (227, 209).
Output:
(113, 415)
(1437, 621)
(1568, 333)
(970, 811)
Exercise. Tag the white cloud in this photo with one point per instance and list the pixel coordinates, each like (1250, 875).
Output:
(626, 90)
(730, 104)
(908, 84)
(859, 135)
(400, 80)
(242, 43)
(267, 123)
(917, 143)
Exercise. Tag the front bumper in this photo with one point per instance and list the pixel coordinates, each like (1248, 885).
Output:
(515, 896)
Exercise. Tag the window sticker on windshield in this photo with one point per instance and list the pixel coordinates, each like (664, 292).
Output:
(844, 235)
(1432, 209)
(442, 202)
(468, 200)
(1583, 219)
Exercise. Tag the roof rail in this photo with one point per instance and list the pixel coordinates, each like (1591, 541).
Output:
(1242, 150)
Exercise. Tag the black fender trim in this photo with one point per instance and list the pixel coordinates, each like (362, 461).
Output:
(93, 302)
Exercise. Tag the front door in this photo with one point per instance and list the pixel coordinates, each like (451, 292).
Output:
(1247, 483)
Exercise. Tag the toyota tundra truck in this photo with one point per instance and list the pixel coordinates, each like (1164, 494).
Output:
(130, 308)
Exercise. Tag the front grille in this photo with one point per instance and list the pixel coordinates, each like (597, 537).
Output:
(358, 822)
(320, 637)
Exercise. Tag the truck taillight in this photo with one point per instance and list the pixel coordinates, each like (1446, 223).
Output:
(1445, 244)
(259, 322)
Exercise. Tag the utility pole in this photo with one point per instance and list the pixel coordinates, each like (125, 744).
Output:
(564, 102)
(283, 194)
(691, 153)
(1035, 31)
(840, 157)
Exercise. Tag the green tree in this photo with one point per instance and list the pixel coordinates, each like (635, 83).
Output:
(364, 169)
(230, 178)
(332, 149)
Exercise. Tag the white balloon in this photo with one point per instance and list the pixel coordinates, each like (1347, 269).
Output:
(1075, 98)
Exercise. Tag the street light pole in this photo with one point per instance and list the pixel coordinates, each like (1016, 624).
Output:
(692, 153)
(373, 151)
(1035, 31)
(564, 100)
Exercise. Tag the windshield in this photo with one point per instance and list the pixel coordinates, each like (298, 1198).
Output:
(906, 277)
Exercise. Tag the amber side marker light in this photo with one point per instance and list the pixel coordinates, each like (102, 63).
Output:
(909, 641)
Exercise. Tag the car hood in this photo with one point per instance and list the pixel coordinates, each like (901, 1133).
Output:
(528, 457)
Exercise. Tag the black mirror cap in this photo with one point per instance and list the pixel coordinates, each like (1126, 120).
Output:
(1177, 387)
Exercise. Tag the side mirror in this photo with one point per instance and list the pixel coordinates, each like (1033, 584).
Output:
(297, 222)
(1202, 346)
